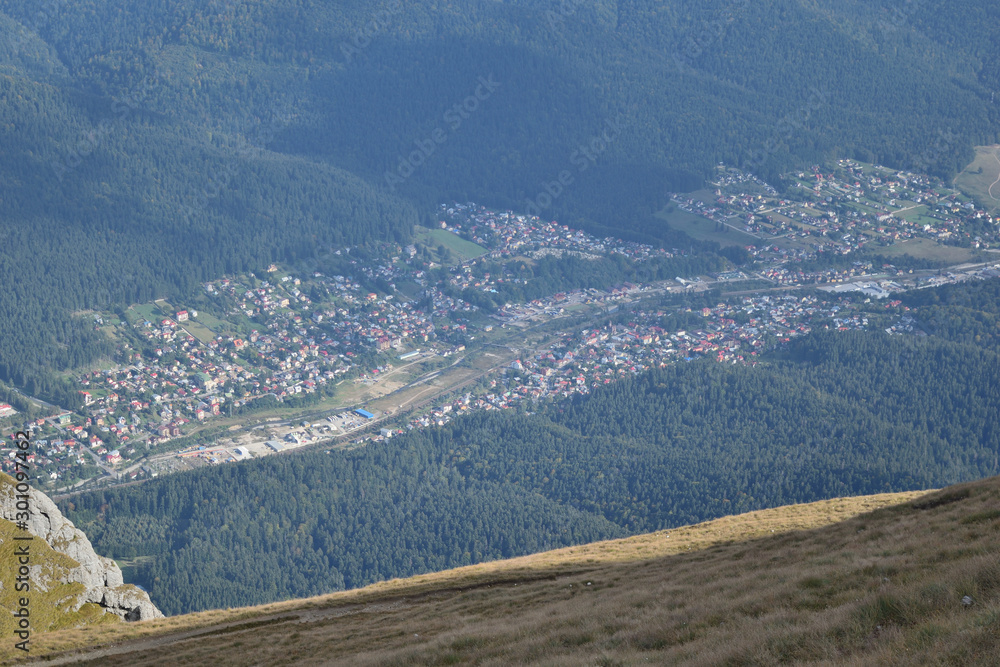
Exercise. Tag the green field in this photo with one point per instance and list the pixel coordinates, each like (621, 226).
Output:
(912, 214)
(98, 365)
(461, 249)
(409, 289)
(199, 331)
(983, 173)
(147, 311)
(215, 324)
(703, 229)
(922, 218)
(928, 249)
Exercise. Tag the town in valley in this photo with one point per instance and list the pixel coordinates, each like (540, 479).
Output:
(369, 344)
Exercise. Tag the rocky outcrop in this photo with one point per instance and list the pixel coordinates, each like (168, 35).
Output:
(100, 576)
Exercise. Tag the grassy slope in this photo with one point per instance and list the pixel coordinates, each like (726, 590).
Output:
(461, 249)
(703, 229)
(853, 581)
(976, 179)
(928, 249)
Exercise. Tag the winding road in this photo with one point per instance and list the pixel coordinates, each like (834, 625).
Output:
(990, 191)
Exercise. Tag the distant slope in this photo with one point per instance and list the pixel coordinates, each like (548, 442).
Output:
(981, 177)
(833, 581)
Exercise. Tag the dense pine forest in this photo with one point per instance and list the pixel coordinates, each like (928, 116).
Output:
(828, 415)
(967, 312)
(147, 146)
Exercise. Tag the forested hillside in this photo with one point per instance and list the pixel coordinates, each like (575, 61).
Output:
(149, 145)
(831, 415)
(967, 312)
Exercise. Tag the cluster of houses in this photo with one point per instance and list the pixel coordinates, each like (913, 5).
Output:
(308, 333)
(556, 304)
(789, 275)
(60, 448)
(730, 333)
(848, 207)
(507, 234)
(733, 333)
(581, 361)
(301, 345)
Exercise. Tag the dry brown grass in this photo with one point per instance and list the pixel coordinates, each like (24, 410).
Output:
(827, 586)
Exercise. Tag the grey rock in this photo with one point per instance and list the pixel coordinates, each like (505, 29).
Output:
(130, 603)
(101, 577)
(112, 573)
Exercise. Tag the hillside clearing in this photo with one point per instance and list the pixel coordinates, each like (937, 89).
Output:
(981, 178)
